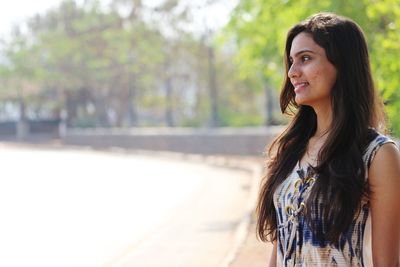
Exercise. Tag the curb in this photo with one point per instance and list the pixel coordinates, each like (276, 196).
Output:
(243, 228)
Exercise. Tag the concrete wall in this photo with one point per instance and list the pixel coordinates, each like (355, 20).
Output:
(28, 130)
(230, 141)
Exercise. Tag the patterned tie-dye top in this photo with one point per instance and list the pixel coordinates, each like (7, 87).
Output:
(297, 246)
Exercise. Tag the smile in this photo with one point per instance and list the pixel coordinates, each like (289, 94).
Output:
(299, 86)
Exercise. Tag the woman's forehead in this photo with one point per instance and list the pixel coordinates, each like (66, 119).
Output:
(303, 42)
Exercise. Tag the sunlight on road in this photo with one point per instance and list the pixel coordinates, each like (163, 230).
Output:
(66, 208)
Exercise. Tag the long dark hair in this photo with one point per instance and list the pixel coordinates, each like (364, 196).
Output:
(340, 185)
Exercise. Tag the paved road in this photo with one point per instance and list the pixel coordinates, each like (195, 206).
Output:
(85, 208)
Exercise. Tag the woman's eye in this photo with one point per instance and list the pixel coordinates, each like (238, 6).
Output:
(306, 58)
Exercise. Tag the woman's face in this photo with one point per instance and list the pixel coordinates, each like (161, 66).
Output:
(311, 73)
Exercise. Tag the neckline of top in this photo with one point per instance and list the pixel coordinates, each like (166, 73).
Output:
(305, 167)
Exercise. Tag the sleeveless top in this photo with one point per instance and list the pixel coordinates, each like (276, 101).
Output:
(296, 244)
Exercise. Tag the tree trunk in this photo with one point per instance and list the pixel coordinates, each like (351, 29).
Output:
(269, 106)
(132, 109)
(22, 124)
(169, 105)
(71, 107)
(213, 88)
(101, 110)
(169, 118)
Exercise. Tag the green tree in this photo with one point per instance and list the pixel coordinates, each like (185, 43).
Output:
(129, 64)
(259, 27)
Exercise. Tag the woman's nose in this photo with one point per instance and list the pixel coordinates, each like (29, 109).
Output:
(293, 71)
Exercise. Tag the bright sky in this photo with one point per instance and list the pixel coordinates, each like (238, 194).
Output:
(17, 11)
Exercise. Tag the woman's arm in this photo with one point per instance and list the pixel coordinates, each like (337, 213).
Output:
(272, 260)
(384, 181)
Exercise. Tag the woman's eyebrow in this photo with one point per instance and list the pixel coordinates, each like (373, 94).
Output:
(303, 51)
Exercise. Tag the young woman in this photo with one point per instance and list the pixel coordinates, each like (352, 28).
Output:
(332, 193)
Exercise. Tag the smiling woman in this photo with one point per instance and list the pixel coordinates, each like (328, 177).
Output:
(311, 73)
(332, 176)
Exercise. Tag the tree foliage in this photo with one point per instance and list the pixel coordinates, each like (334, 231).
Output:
(259, 28)
(125, 64)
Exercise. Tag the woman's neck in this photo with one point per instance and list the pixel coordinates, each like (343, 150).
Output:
(317, 141)
(324, 120)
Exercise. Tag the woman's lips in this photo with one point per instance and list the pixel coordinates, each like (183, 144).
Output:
(299, 86)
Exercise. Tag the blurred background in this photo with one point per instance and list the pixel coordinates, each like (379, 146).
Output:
(195, 82)
(132, 63)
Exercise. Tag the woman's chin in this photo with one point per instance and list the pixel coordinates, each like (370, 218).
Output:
(300, 100)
